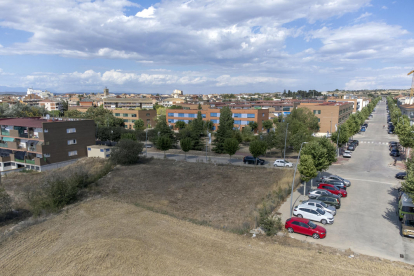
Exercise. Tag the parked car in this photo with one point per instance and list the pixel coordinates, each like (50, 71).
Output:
(351, 147)
(355, 142)
(405, 206)
(401, 175)
(305, 227)
(313, 213)
(319, 204)
(282, 163)
(148, 146)
(390, 131)
(336, 177)
(313, 194)
(395, 153)
(252, 160)
(346, 154)
(365, 125)
(392, 143)
(330, 200)
(333, 189)
(394, 148)
(337, 183)
(407, 226)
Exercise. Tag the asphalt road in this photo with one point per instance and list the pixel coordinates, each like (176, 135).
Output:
(367, 221)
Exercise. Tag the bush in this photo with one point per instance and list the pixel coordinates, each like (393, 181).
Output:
(270, 225)
(126, 152)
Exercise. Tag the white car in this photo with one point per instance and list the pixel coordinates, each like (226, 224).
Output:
(313, 213)
(347, 154)
(282, 163)
(319, 204)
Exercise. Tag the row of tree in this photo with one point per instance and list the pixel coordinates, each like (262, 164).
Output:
(401, 124)
(353, 124)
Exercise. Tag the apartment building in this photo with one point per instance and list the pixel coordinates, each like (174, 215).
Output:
(241, 117)
(130, 116)
(34, 143)
(50, 105)
(329, 114)
(113, 103)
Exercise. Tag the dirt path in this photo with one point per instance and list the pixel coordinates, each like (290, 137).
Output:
(104, 237)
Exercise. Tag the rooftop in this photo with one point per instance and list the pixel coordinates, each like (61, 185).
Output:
(27, 122)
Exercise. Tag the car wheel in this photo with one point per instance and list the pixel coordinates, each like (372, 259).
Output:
(315, 236)
(300, 216)
(290, 230)
(323, 221)
(245, 162)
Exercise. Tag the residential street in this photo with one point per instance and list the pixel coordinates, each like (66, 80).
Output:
(367, 222)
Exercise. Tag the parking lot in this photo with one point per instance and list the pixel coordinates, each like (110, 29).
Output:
(367, 222)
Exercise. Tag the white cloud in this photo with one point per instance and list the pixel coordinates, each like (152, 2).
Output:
(146, 13)
(362, 16)
(384, 8)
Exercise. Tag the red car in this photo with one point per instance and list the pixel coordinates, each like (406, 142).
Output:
(305, 227)
(331, 188)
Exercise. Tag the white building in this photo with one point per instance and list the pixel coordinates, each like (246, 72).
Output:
(50, 105)
(43, 94)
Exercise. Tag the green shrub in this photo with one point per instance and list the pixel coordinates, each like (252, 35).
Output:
(270, 225)
(126, 152)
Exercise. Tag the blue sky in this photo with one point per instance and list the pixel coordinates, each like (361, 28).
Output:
(227, 46)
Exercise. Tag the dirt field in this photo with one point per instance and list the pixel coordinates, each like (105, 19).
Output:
(103, 237)
(224, 196)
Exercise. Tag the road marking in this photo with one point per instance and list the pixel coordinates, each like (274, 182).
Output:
(372, 181)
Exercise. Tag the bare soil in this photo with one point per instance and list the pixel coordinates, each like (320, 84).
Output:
(224, 196)
(104, 237)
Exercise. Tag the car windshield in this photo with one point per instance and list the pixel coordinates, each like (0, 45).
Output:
(320, 211)
(312, 225)
(409, 223)
(324, 204)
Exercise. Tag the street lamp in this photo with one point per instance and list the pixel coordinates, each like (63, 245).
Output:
(337, 139)
(284, 152)
(293, 181)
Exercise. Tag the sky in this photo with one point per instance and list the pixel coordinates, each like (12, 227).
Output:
(205, 46)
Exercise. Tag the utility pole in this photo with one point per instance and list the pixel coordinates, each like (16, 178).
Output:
(284, 152)
(293, 181)
(146, 142)
(337, 139)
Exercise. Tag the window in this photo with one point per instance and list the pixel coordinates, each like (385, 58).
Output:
(214, 128)
(7, 164)
(72, 142)
(108, 155)
(320, 120)
(125, 120)
(46, 155)
(107, 149)
(237, 115)
(311, 204)
(262, 114)
(215, 121)
(148, 114)
(45, 130)
(191, 115)
(203, 115)
(170, 114)
(101, 150)
(171, 120)
(313, 212)
(213, 115)
(238, 122)
(125, 114)
(133, 121)
(295, 223)
(303, 224)
(134, 115)
(180, 114)
(251, 116)
(117, 114)
(71, 130)
(73, 153)
(316, 112)
(89, 149)
(46, 143)
(286, 109)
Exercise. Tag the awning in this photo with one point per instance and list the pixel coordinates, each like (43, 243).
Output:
(8, 139)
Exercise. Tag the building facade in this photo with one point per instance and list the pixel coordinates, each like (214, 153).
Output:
(130, 116)
(330, 114)
(34, 142)
(99, 151)
(50, 105)
(241, 117)
(113, 103)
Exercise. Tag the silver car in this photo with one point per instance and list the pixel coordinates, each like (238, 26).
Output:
(320, 192)
(338, 178)
(320, 204)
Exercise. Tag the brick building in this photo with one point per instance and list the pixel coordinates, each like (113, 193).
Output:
(329, 114)
(241, 117)
(130, 116)
(33, 142)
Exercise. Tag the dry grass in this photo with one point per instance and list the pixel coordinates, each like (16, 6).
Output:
(103, 237)
(222, 196)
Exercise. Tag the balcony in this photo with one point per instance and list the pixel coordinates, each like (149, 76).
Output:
(14, 133)
(30, 161)
(5, 133)
(3, 145)
(12, 145)
(5, 159)
(19, 160)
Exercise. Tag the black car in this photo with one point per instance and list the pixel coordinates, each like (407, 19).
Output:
(351, 147)
(365, 125)
(395, 153)
(390, 131)
(395, 148)
(401, 175)
(252, 160)
(392, 143)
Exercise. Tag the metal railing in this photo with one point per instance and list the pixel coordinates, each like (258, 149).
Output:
(30, 161)
(3, 145)
(19, 160)
(4, 132)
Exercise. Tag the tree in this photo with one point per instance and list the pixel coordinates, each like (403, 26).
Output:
(330, 149)
(267, 125)
(139, 124)
(65, 105)
(408, 184)
(343, 135)
(307, 168)
(180, 124)
(257, 148)
(128, 135)
(199, 106)
(253, 125)
(247, 134)
(319, 155)
(126, 152)
(225, 129)
(186, 145)
(231, 146)
(164, 144)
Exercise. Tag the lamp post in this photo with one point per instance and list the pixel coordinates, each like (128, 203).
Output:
(284, 152)
(293, 181)
(146, 142)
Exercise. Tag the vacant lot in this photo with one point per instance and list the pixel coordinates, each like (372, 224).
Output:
(223, 196)
(103, 237)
